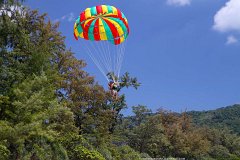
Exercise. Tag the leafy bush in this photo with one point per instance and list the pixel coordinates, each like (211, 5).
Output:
(86, 154)
(4, 152)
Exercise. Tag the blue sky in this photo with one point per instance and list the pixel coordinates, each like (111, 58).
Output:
(184, 52)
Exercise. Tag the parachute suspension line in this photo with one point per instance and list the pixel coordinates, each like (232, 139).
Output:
(96, 62)
(100, 54)
(110, 48)
(106, 53)
(106, 56)
(109, 54)
(121, 53)
(119, 59)
(94, 52)
(115, 60)
(122, 56)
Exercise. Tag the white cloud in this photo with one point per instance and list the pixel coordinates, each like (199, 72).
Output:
(68, 17)
(63, 17)
(231, 40)
(228, 17)
(179, 2)
(71, 17)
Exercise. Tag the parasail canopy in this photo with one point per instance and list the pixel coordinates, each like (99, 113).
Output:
(101, 23)
(103, 30)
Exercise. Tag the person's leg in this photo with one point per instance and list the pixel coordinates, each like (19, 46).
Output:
(115, 94)
(112, 92)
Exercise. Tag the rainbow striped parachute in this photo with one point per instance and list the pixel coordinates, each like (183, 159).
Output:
(103, 24)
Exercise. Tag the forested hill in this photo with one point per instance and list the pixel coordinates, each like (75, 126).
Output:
(223, 117)
(192, 135)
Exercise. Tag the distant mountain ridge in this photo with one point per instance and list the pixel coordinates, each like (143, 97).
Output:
(220, 118)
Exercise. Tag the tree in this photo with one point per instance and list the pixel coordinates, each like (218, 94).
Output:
(37, 122)
(125, 80)
(149, 138)
(28, 46)
(141, 113)
(48, 104)
(34, 116)
(223, 143)
(10, 2)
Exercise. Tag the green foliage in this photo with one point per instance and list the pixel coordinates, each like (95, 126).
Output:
(86, 154)
(219, 152)
(149, 137)
(49, 107)
(125, 80)
(118, 152)
(127, 153)
(26, 132)
(168, 134)
(144, 155)
(222, 141)
(74, 144)
(141, 113)
(19, 56)
(220, 118)
(4, 152)
(10, 2)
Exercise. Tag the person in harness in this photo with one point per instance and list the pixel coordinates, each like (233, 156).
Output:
(114, 88)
